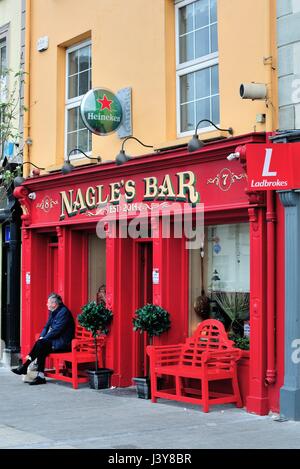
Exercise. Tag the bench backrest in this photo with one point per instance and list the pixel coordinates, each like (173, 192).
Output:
(82, 333)
(209, 335)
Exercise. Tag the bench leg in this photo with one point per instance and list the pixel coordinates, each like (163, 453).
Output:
(74, 375)
(236, 390)
(205, 396)
(178, 385)
(153, 384)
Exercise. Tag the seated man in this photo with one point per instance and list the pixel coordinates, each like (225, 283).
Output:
(56, 336)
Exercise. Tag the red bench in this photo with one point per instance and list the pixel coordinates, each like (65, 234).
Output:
(176, 371)
(65, 364)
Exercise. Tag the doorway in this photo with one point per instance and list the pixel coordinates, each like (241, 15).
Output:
(144, 296)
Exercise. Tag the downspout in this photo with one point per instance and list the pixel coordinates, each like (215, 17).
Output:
(26, 152)
(271, 279)
(271, 218)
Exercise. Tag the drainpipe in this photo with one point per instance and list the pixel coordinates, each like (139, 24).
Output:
(26, 153)
(271, 258)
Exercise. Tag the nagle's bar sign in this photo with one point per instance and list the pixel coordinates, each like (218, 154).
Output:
(180, 188)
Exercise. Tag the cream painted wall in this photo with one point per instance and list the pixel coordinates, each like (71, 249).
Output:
(10, 12)
(133, 44)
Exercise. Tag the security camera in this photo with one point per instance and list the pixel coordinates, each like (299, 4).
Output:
(32, 195)
(233, 156)
(253, 91)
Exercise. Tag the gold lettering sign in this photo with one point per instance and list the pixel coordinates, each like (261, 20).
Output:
(179, 188)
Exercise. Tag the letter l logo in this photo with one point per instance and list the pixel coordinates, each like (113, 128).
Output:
(267, 163)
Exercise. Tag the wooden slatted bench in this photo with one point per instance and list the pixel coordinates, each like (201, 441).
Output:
(82, 352)
(190, 367)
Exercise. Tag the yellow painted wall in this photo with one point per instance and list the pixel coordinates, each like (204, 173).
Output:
(133, 44)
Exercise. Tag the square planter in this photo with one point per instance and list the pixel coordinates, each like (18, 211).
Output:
(100, 379)
(142, 387)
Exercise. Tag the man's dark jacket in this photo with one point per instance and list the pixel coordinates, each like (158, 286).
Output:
(60, 328)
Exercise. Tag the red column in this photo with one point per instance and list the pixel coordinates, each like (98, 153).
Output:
(27, 309)
(257, 400)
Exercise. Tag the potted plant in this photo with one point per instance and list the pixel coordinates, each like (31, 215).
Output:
(154, 320)
(236, 306)
(96, 318)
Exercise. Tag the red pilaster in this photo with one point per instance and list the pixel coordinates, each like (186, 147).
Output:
(257, 400)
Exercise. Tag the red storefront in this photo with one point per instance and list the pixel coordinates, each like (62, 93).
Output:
(61, 252)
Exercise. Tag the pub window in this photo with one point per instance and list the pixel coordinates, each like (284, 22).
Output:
(78, 82)
(197, 67)
(222, 273)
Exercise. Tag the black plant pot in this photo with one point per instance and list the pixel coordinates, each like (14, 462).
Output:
(142, 387)
(100, 379)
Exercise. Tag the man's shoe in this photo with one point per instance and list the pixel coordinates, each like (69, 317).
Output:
(21, 370)
(38, 380)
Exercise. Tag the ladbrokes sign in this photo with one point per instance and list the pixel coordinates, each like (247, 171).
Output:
(273, 167)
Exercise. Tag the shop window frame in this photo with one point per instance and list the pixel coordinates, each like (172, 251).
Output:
(71, 103)
(201, 63)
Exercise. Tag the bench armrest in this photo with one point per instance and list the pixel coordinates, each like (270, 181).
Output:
(164, 355)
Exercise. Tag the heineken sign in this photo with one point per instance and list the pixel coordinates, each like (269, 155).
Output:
(101, 111)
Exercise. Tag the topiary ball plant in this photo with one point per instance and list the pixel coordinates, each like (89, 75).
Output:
(95, 318)
(152, 319)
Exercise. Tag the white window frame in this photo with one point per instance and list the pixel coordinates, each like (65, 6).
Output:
(195, 65)
(72, 102)
(4, 37)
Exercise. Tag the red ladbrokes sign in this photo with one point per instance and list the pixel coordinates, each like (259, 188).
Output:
(273, 166)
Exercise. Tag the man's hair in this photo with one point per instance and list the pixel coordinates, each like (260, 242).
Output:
(57, 298)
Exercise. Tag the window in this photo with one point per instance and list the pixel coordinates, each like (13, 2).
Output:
(79, 81)
(197, 64)
(224, 269)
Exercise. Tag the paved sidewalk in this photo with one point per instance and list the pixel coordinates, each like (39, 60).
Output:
(56, 416)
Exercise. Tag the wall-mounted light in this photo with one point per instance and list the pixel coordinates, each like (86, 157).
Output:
(195, 144)
(68, 167)
(122, 157)
(18, 180)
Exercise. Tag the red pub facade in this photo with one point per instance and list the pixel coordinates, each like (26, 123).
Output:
(243, 242)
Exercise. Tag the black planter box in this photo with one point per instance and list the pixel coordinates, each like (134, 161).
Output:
(100, 379)
(142, 387)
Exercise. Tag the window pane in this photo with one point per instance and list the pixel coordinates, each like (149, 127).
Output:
(202, 42)
(80, 121)
(84, 62)
(72, 119)
(83, 82)
(202, 83)
(214, 38)
(201, 13)
(187, 87)
(73, 86)
(215, 104)
(3, 65)
(213, 11)
(83, 140)
(72, 141)
(186, 19)
(187, 117)
(203, 111)
(73, 62)
(215, 79)
(186, 48)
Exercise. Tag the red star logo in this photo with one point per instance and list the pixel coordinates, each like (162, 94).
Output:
(105, 103)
